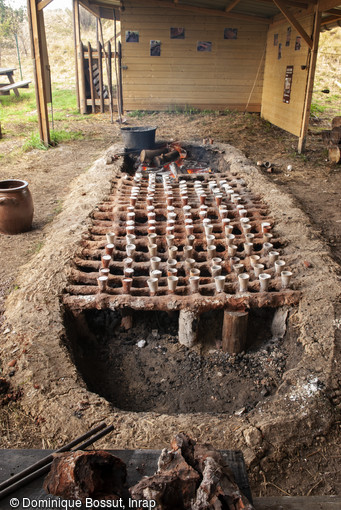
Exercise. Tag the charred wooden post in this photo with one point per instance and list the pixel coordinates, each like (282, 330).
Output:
(234, 331)
(188, 327)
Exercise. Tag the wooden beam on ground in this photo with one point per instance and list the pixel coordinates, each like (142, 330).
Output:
(37, 32)
(310, 80)
(293, 21)
(210, 12)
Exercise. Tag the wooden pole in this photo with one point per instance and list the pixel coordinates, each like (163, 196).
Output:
(118, 89)
(120, 76)
(91, 78)
(75, 49)
(107, 70)
(310, 81)
(100, 70)
(80, 61)
(234, 331)
(37, 32)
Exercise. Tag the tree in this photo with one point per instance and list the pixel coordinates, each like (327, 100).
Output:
(10, 22)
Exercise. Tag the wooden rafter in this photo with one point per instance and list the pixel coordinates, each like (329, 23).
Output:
(325, 5)
(204, 10)
(42, 4)
(231, 6)
(293, 21)
(293, 3)
(330, 19)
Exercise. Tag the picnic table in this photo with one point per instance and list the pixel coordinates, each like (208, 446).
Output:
(5, 88)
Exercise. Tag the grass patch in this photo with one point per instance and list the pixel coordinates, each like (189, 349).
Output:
(138, 114)
(57, 137)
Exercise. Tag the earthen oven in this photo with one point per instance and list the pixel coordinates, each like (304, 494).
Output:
(65, 329)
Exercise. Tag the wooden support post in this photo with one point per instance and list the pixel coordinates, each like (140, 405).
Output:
(37, 32)
(100, 74)
(120, 77)
(75, 49)
(110, 77)
(234, 331)
(91, 78)
(310, 80)
(188, 327)
(80, 61)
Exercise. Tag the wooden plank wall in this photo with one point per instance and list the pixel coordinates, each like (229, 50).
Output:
(285, 116)
(182, 76)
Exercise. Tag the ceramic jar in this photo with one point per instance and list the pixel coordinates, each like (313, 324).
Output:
(16, 207)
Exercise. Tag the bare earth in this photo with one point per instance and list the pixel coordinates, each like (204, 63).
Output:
(312, 185)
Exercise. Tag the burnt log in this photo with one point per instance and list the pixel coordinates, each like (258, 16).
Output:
(79, 475)
(166, 158)
(147, 156)
(191, 476)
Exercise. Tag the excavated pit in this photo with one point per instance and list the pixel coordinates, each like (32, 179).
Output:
(164, 376)
(130, 345)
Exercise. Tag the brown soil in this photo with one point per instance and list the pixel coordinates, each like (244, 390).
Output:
(313, 184)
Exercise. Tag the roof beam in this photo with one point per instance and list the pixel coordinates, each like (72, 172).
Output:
(231, 6)
(293, 21)
(330, 19)
(204, 10)
(325, 5)
(293, 3)
(42, 4)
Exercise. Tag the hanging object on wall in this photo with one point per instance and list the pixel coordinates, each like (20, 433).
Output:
(155, 48)
(279, 51)
(204, 46)
(275, 39)
(177, 33)
(132, 36)
(287, 42)
(287, 84)
(230, 33)
(298, 43)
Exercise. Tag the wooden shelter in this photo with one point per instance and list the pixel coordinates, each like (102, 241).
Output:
(246, 55)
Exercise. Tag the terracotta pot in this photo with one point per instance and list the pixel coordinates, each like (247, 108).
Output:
(16, 207)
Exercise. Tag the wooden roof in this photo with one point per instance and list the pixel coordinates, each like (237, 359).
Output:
(265, 11)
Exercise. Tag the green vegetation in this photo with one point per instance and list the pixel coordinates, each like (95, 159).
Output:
(138, 114)
(34, 142)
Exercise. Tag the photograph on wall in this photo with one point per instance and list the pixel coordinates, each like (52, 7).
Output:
(204, 46)
(279, 51)
(177, 33)
(298, 43)
(155, 48)
(230, 33)
(287, 42)
(275, 39)
(132, 36)
(287, 84)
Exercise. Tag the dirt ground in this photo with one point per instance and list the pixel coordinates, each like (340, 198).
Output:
(313, 183)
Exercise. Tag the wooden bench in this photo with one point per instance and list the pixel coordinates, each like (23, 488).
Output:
(5, 89)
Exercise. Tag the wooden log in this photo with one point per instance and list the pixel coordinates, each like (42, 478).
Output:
(336, 122)
(234, 331)
(147, 156)
(100, 75)
(166, 158)
(334, 154)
